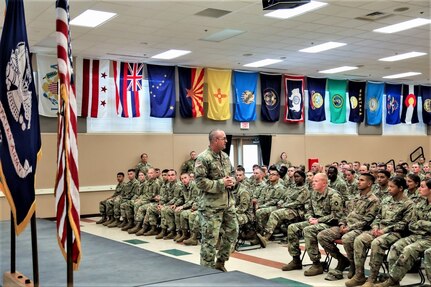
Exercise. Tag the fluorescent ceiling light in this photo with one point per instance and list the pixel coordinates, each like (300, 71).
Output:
(92, 18)
(402, 75)
(403, 26)
(323, 47)
(402, 56)
(338, 70)
(171, 54)
(262, 63)
(289, 13)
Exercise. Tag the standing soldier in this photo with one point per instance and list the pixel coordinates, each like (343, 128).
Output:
(213, 172)
(106, 206)
(143, 165)
(189, 165)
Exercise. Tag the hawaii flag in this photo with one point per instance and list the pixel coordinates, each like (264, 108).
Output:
(245, 96)
(393, 101)
(409, 113)
(19, 118)
(373, 103)
(426, 104)
(191, 82)
(316, 99)
(270, 89)
(294, 87)
(129, 88)
(219, 90)
(47, 71)
(93, 87)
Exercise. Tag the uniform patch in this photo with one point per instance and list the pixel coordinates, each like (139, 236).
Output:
(198, 163)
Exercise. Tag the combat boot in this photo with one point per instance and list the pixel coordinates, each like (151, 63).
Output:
(390, 282)
(171, 235)
(102, 220)
(115, 223)
(219, 265)
(351, 272)
(152, 231)
(124, 223)
(129, 225)
(135, 229)
(264, 240)
(295, 264)
(315, 269)
(106, 223)
(192, 240)
(371, 279)
(161, 234)
(343, 262)
(183, 237)
(357, 280)
(142, 230)
(179, 234)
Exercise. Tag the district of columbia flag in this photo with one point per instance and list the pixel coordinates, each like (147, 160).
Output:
(245, 84)
(409, 113)
(425, 92)
(20, 142)
(219, 91)
(161, 82)
(356, 101)
(191, 87)
(374, 103)
(294, 87)
(47, 71)
(316, 98)
(92, 87)
(337, 100)
(270, 89)
(393, 103)
(128, 88)
(67, 179)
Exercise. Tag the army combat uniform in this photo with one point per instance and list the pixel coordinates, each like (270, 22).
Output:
(243, 203)
(188, 166)
(106, 207)
(130, 188)
(144, 167)
(273, 193)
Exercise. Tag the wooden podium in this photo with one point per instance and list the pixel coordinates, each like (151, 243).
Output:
(16, 280)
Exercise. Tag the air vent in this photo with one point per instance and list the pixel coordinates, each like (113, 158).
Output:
(212, 13)
(374, 16)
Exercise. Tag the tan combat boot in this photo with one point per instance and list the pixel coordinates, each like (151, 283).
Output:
(106, 223)
(295, 264)
(152, 231)
(351, 272)
(135, 229)
(161, 234)
(142, 230)
(115, 223)
(315, 269)
(192, 240)
(264, 240)
(371, 279)
(219, 265)
(179, 234)
(357, 280)
(129, 225)
(123, 223)
(388, 283)
(183, 237)
(171, 235)
(102, 220)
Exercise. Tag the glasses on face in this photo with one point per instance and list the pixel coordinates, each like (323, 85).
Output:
(273, 174)
(222, 139)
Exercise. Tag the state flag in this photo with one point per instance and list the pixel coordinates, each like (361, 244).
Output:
(393, 103)
(191, 87)
(219, 90)
(425, 92)
(270, 89)
(356, 101)
(409, 112)
(47, 71)
(337, 97)
(294, 88)
(245, 84)
(373, 103)
(161, 82)
(316, 99)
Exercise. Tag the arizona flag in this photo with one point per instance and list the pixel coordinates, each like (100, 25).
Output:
(316, 99)
(426, 104)
(19, 118)
(294, 87)
(356, 101)
(219, 90)
(128, 85)
(337, 100)
(161, 82)
(393, 103)
(191, 82)
(373, 103)
(92, 87)
(409, 113)
(245, 96)
(270, 89)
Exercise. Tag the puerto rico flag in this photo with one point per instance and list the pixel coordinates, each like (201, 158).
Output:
(191, 83)
(128, 85)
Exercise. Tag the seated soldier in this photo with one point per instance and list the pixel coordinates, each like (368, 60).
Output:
(106, 206)
(412, 191)
(381, 188)
(129, 206)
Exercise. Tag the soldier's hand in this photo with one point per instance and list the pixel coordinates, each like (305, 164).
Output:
(228, 181)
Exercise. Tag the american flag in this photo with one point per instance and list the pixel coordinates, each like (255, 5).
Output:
(67, 182)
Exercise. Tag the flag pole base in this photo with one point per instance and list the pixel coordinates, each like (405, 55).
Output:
(16, 280)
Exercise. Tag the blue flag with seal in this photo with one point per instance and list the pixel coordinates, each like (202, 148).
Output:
(245, 84)
(409, 113)
(356, 101)
(316, 99)
(373, 103)
(393, 101)
(19, 116)
(161, 82)
(425, 92)
(270, 88)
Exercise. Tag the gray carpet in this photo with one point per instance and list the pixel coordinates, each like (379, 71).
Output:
(110, 263)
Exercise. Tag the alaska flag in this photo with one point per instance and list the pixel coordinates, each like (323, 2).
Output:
(426, 104)
(337, 100)
(393, 101)
(294, 86)
(316, 99)
(356, 101)
(270, 89)
(245, 84)
(191, 81)
(374, 102)
(19, 116)
(409, 113)
(161, 82)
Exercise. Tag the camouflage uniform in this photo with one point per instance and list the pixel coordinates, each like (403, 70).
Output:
(190, 207)
(150, 190)
(352, 189)
(217, 206)
(340, 186)
(363, 212)
(126, 194)
(167, 197)
(406, 251)
(167, 213)
(106, 207)
(258, 191)
(328, 208)
(274, 192)
(393, 218)
(188, 166)
(292, 207)
(144, 167)
(126, 206)
(380, 192)
(243, 203)
(413, 196)
(427, 263)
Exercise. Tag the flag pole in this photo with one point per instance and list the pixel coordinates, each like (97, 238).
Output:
(34, 251)
(69, 244)
(12, 244)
